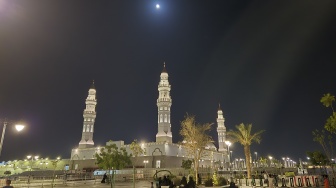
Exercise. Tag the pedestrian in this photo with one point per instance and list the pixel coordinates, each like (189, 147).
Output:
(270, 181)
(152, 186)
(232, 184)
(104, 178)
(8, 182)
(326, 181)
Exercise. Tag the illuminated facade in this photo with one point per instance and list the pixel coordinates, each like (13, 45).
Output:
(221, 131)
(159, 154)
(164, 103)
(89, 116)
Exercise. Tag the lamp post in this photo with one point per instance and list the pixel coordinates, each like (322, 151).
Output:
(256, 159)
(270, 157)
(5, 123)
(228, 143)
(54, 164)
(145, 162)
(30, 159)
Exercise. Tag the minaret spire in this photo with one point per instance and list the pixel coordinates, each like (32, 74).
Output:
(89, 116)
(164, 103)
(221, 130)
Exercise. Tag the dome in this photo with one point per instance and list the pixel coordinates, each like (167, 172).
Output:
(211, 146)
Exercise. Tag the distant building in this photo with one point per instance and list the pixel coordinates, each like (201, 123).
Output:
(162, 153)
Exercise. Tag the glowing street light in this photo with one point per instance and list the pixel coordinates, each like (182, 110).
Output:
(5, 123)
(256, 159)
(228, 143)
(145, 162)
(270, 157)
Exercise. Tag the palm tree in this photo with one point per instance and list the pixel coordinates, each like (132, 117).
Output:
(244, 136)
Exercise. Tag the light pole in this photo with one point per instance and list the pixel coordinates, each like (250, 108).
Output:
(30, 159)
(270, 157)
(54, 164)
(256, 159)
(228, 143)
(5, 123)
(145, 161)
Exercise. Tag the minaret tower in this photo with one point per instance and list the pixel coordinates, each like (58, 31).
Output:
(164, 103)
(221, 130)
(89, 116)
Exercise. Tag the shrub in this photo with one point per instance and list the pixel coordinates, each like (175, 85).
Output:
(199, 180)
(208, 183)
(191, 182)
(222, 181)
(183, 181)
(176, 181)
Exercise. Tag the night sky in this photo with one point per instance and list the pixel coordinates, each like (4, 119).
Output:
(266, 62)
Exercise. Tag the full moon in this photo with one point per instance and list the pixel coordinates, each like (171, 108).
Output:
(157, 6)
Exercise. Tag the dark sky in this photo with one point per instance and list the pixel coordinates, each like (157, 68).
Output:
(266, 62)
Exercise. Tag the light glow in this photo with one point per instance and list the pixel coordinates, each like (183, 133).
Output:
(19, 127)
(157, 6)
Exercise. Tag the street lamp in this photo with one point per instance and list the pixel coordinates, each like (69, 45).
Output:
(228, 143)
(256, 159)
(5, 123)
(270, 157)
(145, 161)
(31, 158)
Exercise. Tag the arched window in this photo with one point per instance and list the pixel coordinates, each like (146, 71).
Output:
(87, 128)
(160, 117)
(91, 128)
(83, 128)
(165, 118)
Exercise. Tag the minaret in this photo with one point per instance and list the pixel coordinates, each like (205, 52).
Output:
(89, 116)
(164, 103)
(221, 130)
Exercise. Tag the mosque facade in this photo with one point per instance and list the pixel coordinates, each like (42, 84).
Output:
(162, 153)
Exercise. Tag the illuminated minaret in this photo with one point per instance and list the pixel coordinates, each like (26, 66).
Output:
(89, 116)
(164, 103)
(221, 130)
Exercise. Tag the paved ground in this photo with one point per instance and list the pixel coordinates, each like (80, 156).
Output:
(92, 183)
(84, 184)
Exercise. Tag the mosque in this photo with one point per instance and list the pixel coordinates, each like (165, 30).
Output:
(162, 153)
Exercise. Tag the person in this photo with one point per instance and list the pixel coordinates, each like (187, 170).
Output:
(326, 181)
(104, 178)
(8, 182)
(232, 184)
(152, 186)
(270, 181)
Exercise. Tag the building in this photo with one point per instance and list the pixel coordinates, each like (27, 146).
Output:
(162, 153)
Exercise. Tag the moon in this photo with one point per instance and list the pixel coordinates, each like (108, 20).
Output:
(157, 6)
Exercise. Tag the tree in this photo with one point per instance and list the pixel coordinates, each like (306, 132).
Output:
(320, 137)
(136, 151)
(195, 139)
(54, 164)
(186, 164)
(110, 157)
(244, 136)
(327, 101)
(317, 158)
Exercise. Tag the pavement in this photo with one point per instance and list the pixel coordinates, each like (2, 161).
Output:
(93, 183)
